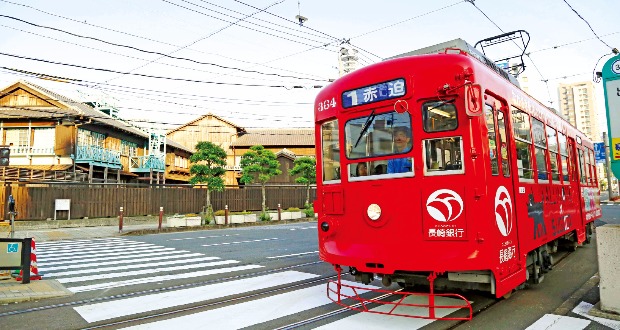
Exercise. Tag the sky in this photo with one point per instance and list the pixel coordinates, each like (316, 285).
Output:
(167, 62)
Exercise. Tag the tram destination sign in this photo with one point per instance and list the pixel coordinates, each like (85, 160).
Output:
(374, 93)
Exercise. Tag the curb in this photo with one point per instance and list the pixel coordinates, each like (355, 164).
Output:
(570, 303)
(213, 227)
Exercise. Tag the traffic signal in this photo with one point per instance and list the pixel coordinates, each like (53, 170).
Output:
(5, 153)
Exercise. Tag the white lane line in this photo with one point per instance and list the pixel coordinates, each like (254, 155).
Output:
(583, 308)
(378, 321)
(136, 251)
(143, 272)
(292, 255)
(302, 228)
(86, 245)
(241, 242)
(139, 264)
(131, 260)
(202, 237)
(109, 285)
(83, 250)
(558, 322)
(114, 256)
(130, 306)
(252, 312)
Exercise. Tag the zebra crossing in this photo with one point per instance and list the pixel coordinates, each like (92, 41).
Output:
(91, 265)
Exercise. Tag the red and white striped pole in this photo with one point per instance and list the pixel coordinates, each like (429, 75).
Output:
(120, 221)
(161, 216)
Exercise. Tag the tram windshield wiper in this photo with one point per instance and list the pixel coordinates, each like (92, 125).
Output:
(365, 127)
(442, 103)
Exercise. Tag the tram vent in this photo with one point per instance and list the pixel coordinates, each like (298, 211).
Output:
(373, 265)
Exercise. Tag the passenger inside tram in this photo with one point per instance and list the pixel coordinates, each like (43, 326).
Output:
(402, 140)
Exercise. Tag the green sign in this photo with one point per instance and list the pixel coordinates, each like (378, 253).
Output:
(611, 84)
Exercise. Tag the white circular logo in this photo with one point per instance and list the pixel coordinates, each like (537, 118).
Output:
(503, 211)
(442, 208)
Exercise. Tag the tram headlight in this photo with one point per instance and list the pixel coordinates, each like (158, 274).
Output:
(373, 211)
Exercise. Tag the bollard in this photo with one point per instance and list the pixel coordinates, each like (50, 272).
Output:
(226, 214)
(161, 216)
(279, 213)
(120, 221)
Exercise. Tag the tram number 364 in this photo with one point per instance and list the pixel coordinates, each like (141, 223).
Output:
(326, 104)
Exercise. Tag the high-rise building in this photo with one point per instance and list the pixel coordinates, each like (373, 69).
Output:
(578, 106)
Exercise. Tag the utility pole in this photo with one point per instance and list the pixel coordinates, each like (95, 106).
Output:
(607, 165)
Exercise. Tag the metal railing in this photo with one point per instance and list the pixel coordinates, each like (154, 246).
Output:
(147, 163)
(99, 155)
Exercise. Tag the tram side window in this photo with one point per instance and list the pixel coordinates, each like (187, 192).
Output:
(503, 143)
(489, 115)
(592, 167)
(552, 140)
(583, 177)
(523, 141)
(540, 148)
(444, 154)
(330, 151)
(563, 156)
(439, 116)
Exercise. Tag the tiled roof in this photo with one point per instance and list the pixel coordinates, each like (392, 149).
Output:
(74, 109)
(276, 137)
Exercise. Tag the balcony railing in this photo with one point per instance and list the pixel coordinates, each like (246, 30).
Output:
(23, 151)
(147, 163)
(98, 156)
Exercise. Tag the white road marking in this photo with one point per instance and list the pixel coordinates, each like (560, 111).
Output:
(94, 240)
(202, 237)
(138, 263)
(241, 242)
(378, 321)
(143, 272)
(302, 228)
(558, 322)
(583, 308)
(109, 285)
(132, 260)
(77, 252)
(293, 255)
(108, 253)
(63, 248)
(64, 261)
(251, 312)
(123, 307)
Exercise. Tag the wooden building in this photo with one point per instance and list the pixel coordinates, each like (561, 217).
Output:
(52, 137)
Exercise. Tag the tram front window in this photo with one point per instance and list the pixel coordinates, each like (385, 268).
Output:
(379, 134)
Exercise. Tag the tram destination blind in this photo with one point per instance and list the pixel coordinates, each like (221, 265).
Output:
(374, 93)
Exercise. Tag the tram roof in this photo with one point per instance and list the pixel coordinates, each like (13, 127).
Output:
(461, 44)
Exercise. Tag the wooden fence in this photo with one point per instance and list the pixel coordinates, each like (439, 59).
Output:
(37, 201)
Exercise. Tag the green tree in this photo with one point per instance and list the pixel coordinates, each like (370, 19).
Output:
(306, 168)
(259, 164)
(208, 167)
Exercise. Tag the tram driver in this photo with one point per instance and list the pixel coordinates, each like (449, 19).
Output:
(402, 139)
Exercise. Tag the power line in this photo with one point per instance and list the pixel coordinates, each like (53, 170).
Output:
(142, 75)
(591, 29)
(198, 40)
(147, 51)
(569, 43)
(146, 38)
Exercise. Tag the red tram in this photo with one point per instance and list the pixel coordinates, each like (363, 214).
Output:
(438, 169)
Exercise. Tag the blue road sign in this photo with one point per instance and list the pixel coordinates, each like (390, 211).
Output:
(12, 248)
(599, 152)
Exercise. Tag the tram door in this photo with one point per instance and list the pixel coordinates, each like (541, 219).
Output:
(500, 185)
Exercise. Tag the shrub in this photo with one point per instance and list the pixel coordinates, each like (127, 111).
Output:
(309, 212)
(292, 209)
(219, 213)
(264, 216)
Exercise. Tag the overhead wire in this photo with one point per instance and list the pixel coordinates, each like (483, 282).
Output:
(147, 51)
(200, 39)
(145, 38)
(590, 26)
(546, 81)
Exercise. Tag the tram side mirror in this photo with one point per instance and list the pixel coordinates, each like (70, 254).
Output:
(473, 100)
